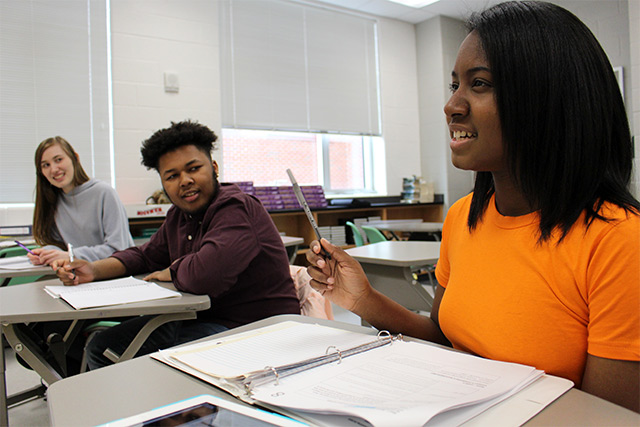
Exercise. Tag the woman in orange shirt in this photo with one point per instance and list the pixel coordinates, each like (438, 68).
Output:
(541, 263)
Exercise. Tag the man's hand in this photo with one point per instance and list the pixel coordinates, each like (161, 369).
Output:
(159, 276)
(74, 273)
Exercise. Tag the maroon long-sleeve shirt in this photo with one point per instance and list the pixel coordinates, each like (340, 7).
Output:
(232, 252)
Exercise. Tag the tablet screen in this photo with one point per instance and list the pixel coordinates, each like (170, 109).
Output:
(206, 414)
(206, 410)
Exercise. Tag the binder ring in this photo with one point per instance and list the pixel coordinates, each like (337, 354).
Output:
(275, 373)
(383, 335)
(337, 351)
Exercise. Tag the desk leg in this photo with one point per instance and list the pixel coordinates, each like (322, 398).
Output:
(29, 351)
(144, 333)
(294, 253)
(4, 416)
(398, 284)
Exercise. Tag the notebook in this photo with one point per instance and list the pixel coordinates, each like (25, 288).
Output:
(319, 373)
(110, 292)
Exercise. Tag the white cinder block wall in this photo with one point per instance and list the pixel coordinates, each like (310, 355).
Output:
(399, 99)
(150, 37)
(438, 40)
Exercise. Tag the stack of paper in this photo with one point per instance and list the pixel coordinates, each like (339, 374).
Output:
(404, 383)
(110, 292)
(16, 263)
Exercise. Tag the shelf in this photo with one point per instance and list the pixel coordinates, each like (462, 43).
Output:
(295, 222)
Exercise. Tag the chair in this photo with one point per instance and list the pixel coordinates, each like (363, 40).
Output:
(91, 331)
(357, 236)
(373, 234)
(14, 251)
(312, 303)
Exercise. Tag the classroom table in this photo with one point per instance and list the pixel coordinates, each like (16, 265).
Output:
(37, 270)
(291, 244)
(143, 383)
(390, 266)
(6, 274)
(31, 303)
(407, 226)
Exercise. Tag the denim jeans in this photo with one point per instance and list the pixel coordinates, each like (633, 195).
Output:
(118, 338)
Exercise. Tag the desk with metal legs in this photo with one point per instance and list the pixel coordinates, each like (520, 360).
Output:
(390, 265)
(37, 270)
(291, 244)
(407, 226)
(143, 383)
(26, 303)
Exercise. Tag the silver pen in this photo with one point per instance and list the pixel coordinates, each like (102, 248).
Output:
(70, 250)
(305, 207)
(71, 258)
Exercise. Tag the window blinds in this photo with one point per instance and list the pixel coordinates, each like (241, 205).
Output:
(292, 66)
(53, 81)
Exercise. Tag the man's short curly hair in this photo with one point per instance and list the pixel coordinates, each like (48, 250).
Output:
(177, 135)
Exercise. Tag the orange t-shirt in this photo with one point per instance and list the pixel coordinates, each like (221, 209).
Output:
(545, 305)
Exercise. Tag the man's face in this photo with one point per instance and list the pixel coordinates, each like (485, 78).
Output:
(189, 178)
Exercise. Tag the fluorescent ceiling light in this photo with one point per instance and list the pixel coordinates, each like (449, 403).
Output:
(415, 3)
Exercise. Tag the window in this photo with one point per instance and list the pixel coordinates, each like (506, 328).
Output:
(300, 90)
(342, 164)
(53, 81)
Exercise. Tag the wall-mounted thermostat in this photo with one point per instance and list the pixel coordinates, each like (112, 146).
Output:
(171, 82)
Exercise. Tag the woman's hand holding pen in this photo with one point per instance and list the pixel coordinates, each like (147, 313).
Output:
(73, 273)
(341, 278)
(42, 256)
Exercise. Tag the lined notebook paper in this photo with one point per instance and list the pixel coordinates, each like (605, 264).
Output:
(110, 292)
(397, 384)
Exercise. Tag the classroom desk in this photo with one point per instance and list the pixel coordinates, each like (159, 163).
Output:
(44, 270)
(390, 265)
(291, 244)
(407, 226)
(30, 303)
(38, 270)
(143, 383)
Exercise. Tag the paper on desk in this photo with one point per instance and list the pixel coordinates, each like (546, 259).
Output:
(401, 384)
(515, 410)
(17, 263)
(406, 383)
(110, 292)
(280, 344)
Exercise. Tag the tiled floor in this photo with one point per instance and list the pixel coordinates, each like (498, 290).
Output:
(35, 413)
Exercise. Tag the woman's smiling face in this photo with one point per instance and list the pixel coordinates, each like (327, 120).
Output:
(57, 167)
(472, 112)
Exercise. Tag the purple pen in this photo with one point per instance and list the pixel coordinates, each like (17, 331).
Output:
(24, 247)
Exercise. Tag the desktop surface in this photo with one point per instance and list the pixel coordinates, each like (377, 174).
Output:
(143, 383)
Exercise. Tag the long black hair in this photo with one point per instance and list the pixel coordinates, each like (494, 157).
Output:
(564, 124)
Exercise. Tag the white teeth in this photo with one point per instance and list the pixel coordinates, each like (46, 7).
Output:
(459, 134)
